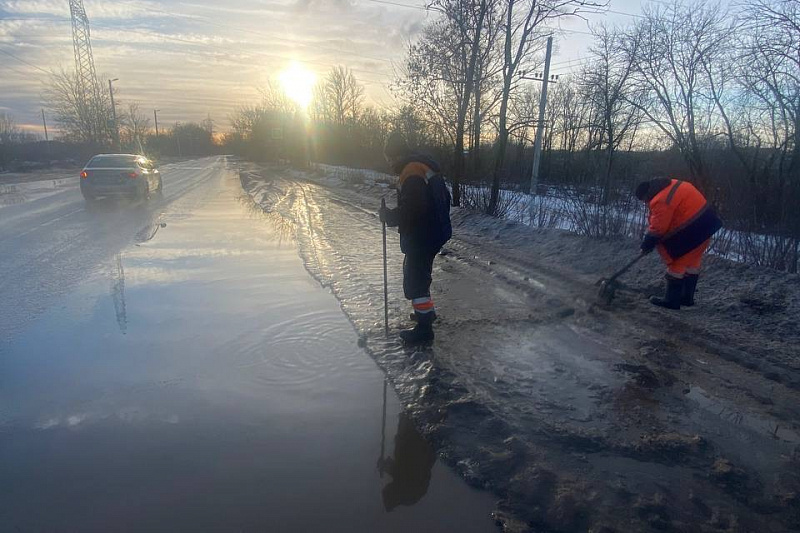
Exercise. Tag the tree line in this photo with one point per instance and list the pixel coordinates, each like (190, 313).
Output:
(696, 90)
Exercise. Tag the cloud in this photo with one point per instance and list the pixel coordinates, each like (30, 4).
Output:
(194, 57)
(307, 5)
(95, 10)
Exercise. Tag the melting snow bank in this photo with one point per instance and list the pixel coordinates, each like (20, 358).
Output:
(19, 193)
(578, 417)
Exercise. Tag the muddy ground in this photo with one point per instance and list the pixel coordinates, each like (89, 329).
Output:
(579, 416)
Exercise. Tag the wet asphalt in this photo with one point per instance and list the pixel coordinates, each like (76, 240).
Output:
(194, 377)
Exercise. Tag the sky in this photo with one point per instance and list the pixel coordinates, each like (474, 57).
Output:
(191, 59)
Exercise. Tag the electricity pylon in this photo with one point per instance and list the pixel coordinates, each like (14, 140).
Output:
(84, 66)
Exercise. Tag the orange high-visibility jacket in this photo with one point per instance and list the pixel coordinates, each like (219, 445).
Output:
(681, 219)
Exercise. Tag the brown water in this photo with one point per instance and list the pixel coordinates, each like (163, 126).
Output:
(203, 381)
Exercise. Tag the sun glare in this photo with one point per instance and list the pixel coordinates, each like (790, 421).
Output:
(298, 84)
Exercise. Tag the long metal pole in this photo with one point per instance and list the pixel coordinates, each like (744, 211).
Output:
(381, 465)
(537, 145)
(155, 117)
(385, 278)
(114, 115)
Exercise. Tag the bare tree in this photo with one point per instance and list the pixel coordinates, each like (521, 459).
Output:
(135, 125)
(616, 102)
(9, 134)
(487, 86)
(79, 120)
(339, 98)
(9, 131)
(757, 94)
(523, 29)
(416, 126)
(670, 51)
(466, 20)
(274, 97)
(430, 78)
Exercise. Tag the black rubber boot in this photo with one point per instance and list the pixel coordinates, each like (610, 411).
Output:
(672, 300)
(413, 316)
(689, 286)
(421, 333)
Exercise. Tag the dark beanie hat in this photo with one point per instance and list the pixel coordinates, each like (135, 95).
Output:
(396, 145)
(643, 191)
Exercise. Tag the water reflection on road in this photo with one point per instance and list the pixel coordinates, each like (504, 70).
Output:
(214, 387)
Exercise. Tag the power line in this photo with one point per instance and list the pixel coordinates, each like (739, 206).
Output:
(24, 61)
(568, 30)
(397, 4)
(569, 63)
(18, 71)
(606, 11)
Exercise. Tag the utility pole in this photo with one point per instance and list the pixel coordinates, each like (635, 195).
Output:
(44, 122)
(46, 138)
(178, 138)
(537, 145)
(114, 113)
(155, 117)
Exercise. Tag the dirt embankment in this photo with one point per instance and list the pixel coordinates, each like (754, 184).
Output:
(751, 314)
(578, 416)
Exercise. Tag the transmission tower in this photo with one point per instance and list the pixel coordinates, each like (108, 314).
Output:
(84, 61)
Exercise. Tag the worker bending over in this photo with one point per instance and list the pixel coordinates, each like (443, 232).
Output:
(681, 226)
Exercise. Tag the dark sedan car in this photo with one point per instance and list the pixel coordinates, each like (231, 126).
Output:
(120, 176)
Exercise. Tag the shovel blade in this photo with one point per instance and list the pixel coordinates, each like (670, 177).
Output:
(606, 292)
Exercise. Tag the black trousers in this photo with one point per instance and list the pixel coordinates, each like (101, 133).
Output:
(417, 268)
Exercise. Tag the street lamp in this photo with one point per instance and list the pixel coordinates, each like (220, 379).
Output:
(114, 112)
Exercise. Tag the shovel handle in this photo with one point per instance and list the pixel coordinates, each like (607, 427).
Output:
(627, 267)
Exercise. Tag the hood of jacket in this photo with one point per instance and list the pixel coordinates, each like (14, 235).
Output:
(426, 160)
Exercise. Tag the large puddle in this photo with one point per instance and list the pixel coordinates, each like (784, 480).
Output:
(204, 382)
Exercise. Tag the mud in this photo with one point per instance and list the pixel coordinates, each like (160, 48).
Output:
(580, 417)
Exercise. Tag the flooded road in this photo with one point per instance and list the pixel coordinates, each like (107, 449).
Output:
(194, 377)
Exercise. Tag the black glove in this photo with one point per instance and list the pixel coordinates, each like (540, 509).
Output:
(390, 217)
(649, 243)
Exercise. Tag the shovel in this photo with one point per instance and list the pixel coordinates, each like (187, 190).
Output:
(607, 286)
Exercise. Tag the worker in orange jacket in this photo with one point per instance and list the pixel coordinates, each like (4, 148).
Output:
(681, 226)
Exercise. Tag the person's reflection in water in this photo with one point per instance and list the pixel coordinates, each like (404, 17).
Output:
(410, 468)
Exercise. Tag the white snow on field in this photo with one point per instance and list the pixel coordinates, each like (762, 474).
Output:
(18, 193)
(561, 208)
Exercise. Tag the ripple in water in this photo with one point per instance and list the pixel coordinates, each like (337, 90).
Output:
(304, 351)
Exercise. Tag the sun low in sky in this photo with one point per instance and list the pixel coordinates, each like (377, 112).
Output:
(298, 84)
